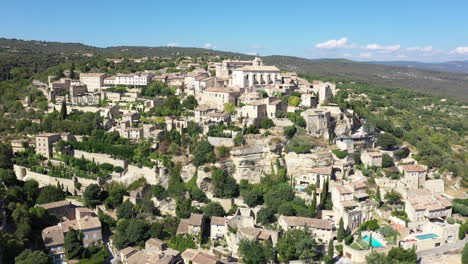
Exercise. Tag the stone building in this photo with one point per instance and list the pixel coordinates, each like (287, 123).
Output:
(372, 158)
(321, 229)
(193, 226)
(218, 97)
(93, 81)
(255, 75)
(85, 222)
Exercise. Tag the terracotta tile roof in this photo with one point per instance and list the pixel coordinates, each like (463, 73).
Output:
(414, 168)
(215, 220)
(56, 204)
(183, 226)
(196, 219)
(155, 242)
(344, 189)
(52, 236)
(202, 258)
(297, 221)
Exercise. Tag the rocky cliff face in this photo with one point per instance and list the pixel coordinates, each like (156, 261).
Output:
(346, 125)
(302, 164)
(255, 158)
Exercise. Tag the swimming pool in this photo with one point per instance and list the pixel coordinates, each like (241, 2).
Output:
(426, 236)
(375, 243)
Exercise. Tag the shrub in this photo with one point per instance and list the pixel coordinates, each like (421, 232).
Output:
(299, 145)
(289, 131)
(341, 154)
(267, 123)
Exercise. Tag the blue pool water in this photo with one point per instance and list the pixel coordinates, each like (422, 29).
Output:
(426, 236)
(375, 242)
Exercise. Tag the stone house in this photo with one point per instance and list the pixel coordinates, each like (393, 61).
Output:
(193, 226)
(372, 158)
(321, 229)
(85, 222)
(414, 175)
(219, 96)
(422, 206)
(218, 227)
(195, 256)
(317, 176)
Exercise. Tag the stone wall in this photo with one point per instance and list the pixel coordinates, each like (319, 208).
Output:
(100, 158)
(25, 174)
(219, 141)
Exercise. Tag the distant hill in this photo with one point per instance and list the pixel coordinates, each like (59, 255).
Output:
(48, 47)
(449, 66)
(454, 85)
(448, 84)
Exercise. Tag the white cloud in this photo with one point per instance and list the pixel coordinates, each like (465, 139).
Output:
(460, 50)
(209, 46)
(174, 44)
(422, 49)
(333, 44)
(378, 47)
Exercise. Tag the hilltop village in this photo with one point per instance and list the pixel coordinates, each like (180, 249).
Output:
(221, 160)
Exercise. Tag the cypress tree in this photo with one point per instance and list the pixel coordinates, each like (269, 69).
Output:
(313, 205)
(63, 110)
(378, 196)
(341, 232)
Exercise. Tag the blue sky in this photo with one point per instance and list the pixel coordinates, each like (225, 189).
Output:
(355, 29)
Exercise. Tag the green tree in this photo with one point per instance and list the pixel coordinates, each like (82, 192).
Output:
(50, 194)
(224, 186)
(229, 108)
(6, 155)
(213, 209)
(387, 161)
(73, 244)
(330, 252)
(203, 153)
(92, 195)
(182, 242)
(294, 100)
(464, 257)
(297, 244)
(266, 215)
(63, 110)
(393, 197)
(255, 251)
(341, 231)
(376, 258)
(32, 257)
(252, 197)
(126, 210)
(183, 208)
(159, 192)
(190, 102)
(31, 190)
(397, 254)
(313, 205)
(386, 141)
